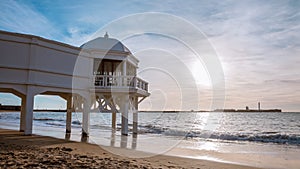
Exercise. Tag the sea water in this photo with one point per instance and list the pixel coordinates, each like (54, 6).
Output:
(212, 136)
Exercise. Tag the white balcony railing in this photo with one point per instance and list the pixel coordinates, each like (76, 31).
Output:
(120, 81)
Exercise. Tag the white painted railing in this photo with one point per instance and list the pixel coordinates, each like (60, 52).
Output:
(120, 81)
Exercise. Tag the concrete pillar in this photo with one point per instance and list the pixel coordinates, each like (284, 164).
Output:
(23, 114)
(27, 104)
(69, 114)
(124, 110)
(86, 117)
(135, 116)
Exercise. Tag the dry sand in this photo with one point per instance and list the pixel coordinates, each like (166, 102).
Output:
(19, 151)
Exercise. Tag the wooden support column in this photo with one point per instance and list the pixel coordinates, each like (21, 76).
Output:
(135, 116)
(69, 114)
(124, 110)
(113, 119)
(113, 114)
(27, 105)
(86, 117)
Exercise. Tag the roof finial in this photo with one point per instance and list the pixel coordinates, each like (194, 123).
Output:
(106, 35)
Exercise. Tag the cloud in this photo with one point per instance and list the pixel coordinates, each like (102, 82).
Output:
(258, 42)
(17, 17)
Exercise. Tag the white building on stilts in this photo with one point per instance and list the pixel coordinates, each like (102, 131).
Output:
(100, 75)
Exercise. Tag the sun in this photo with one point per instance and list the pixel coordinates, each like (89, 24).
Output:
(199, 73)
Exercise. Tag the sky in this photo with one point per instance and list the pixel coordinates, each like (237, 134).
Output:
(256, 42)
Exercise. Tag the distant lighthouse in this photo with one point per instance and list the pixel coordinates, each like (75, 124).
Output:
(258, 106)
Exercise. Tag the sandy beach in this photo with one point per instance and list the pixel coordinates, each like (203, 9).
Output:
(19, 151)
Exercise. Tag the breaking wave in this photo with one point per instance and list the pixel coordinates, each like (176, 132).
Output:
(263, 137)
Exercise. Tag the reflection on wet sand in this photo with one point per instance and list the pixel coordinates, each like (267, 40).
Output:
(134, 141)
(112, 138)
(124, 140)
(113, 142)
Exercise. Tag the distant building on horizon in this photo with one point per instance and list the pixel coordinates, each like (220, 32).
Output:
(10, 107)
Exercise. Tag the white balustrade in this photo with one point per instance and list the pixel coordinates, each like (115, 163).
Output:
(120, 81)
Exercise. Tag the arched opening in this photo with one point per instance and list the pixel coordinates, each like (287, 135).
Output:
(49, 102)
(10, 107)
(49, 115)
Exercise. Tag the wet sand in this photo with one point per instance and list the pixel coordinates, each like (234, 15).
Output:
(19, 151)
